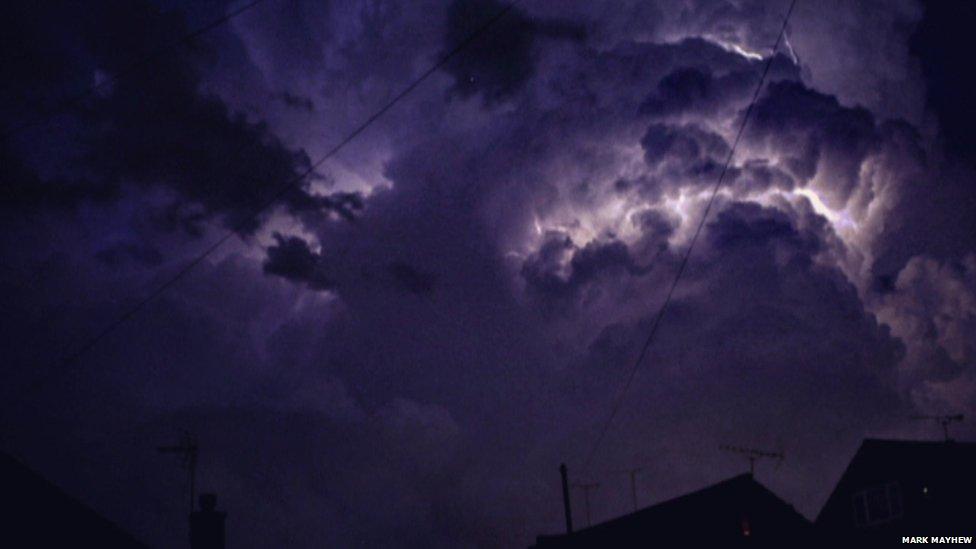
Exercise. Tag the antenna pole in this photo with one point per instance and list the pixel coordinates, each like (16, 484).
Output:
(632, 473)
(193, 475)
(633, 487)
(633, 484)
(569, 513)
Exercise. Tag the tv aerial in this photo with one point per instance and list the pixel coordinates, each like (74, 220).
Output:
(753, 454)
(944, 421)
(188, 450)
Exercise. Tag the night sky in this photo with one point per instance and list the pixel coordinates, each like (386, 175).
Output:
(404, 347)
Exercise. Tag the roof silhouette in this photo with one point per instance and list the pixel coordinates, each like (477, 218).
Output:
(39, 514)
(736, 511)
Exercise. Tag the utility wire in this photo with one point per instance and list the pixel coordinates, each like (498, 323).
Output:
(76, 99)
(684, 261)
(284, 189)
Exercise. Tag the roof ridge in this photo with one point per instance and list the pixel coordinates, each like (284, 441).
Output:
(737, 479)
(912, 441)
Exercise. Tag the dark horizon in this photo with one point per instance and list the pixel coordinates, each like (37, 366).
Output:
(448, 300)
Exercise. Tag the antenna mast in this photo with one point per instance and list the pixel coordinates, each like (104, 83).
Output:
(753, 454)
(944, 421)
(632, 473)
(187, 449)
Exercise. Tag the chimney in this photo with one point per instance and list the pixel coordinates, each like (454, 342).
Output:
(207, 524)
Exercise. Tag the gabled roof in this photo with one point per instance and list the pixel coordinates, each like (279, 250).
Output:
(737, 508)
(39, 514)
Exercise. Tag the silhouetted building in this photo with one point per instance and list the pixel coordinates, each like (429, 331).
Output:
(207, 524)
(738, 512)
(895, 488)
(37, 513)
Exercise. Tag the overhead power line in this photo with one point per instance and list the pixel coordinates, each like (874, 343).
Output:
(684, 261)
(75, 100)
(71, 357)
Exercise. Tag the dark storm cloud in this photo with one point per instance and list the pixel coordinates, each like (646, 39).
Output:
(746, 225)
(298, 101)
(689, 88)
(292, 259)
(295, 34)
(784, 302)
(769, 247)
(410, 279)
(929, 199)
(594, 257)
(155, 127)
(757, 175)
(688, 147)
(624, 75)
(608, 95)
(129, 251)
(561, 271)
(815, 134)
(933, 306)
(23, 188)
(655, 224)
(502, 60)
(541, 270)
(198, 149)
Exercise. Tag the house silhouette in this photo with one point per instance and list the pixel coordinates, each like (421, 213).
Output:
(892, 489)
(896, 488)
(738, 512)
(39, 514)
